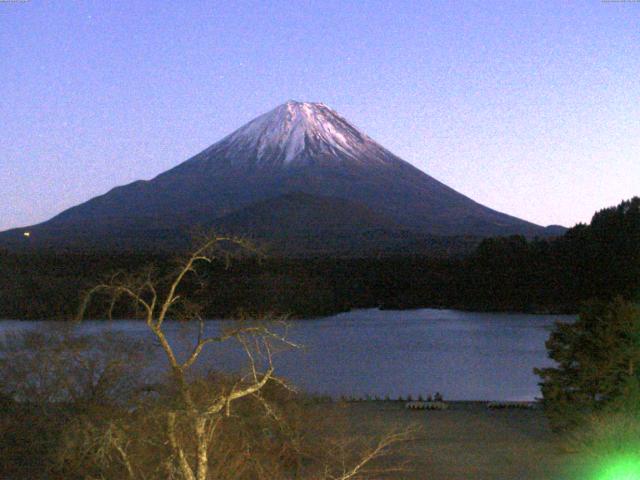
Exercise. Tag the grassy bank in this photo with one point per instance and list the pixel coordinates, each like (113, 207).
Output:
(467, 441)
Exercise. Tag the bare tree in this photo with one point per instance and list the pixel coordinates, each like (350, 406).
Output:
(157, 306)
(53, 378)
(54, 366)
(193, 417)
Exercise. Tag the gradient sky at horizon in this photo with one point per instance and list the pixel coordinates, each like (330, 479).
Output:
(531, 108)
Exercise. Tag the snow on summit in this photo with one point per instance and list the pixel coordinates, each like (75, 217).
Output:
(300, 133)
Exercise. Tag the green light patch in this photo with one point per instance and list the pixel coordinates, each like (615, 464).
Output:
(621, 468)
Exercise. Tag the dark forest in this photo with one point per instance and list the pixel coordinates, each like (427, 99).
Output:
(600, 260)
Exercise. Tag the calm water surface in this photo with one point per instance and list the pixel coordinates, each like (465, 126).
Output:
(463, 355)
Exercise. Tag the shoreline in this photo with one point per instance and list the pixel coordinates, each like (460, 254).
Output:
(470, 441)
(301, 318)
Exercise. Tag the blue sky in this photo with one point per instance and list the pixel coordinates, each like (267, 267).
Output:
(531, 108)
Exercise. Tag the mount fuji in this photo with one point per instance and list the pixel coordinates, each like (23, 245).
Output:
(300, 177)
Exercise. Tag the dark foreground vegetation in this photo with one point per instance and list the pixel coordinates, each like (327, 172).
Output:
(600, 260)
(84, 407)
(591, 396)
(82, 439)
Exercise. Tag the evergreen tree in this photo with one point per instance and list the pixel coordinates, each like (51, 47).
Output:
(598, 360)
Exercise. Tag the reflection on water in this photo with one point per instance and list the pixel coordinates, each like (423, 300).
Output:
(464, 355)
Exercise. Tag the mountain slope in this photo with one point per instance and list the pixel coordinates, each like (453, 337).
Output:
(297, 147)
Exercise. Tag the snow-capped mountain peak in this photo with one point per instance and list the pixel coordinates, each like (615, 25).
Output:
(300, 133)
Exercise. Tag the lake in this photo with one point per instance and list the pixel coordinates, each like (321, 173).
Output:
(463, 355)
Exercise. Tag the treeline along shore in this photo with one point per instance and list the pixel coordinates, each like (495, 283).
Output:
(598, 260)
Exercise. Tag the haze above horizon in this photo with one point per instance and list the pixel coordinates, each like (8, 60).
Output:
(533, 110)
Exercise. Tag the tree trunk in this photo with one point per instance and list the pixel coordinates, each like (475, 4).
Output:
(183, 463)
(201, 439)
